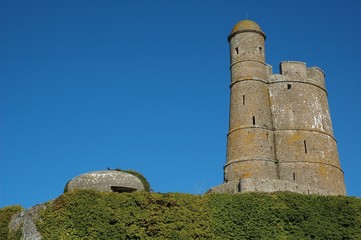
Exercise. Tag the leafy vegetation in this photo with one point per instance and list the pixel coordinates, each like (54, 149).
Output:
(5, 216)
(285, 216)
(86, 214)
(93, 215)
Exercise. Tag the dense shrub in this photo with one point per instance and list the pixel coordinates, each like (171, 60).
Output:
(93, 215)
(285, 216)
(86, 214)
(5, 216)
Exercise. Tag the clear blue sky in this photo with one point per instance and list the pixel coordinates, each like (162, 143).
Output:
(144, 85)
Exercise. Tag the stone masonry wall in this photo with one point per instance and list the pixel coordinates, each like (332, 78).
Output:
(280, 134)
(250, 150)
(306, 150)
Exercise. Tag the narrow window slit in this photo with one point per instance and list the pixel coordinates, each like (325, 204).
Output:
(305, 144)
(294, 176)
(236, 50)
(289, 86)
(254, 120)
(244, 99)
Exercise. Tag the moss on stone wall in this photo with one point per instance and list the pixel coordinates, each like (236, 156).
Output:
(89, 214)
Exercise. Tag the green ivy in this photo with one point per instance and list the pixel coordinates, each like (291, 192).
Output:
(86, 214)
(285, 216)
(5, 216)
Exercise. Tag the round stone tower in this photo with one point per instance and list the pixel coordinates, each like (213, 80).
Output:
(250, 140)
(280, 134)
(305, 146)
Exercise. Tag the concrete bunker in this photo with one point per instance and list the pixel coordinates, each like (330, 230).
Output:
(106, 181)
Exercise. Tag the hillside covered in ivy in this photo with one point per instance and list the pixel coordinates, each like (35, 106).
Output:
(142, 215)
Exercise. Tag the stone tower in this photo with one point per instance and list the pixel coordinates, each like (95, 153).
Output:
(280, 133)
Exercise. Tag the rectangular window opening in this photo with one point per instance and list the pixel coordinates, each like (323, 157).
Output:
(305, 144)
(254, 120)
(289, 86)
(236, 50)
(121, 189)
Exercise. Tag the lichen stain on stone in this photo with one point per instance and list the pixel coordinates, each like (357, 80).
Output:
(295, 137)
(246, 175)
(323, 170)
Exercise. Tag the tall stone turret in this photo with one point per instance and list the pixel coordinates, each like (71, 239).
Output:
(280, 133)
(250, 150)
